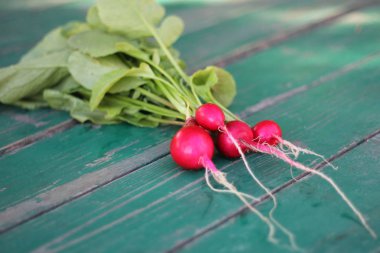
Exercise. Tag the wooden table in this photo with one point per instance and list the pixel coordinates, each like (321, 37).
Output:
(313, 66)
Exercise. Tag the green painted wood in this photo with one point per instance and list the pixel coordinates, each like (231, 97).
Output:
(313, 211)
(43, 16)
(82, 152)
(253, 27)
(16, 124)
(17, 41)
(158, 206)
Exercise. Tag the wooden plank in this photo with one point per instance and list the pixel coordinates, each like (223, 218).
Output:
(46, 15)
(42, 17)
(202, 37)
(159, 206)
(84, 157)
(313, 211)
(257, 26)
(16, 124)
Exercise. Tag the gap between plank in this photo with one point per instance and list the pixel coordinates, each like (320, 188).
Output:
(265, 197)
(72, 187)
(268, 102)
(250, 49)
(239, 54)
(92, 181)
(31, 139)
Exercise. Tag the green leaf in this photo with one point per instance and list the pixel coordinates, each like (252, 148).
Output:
(68, 85)
(93, 19)
(54, 41)
(26, 82)
(215, 83)
(78, 108)
(32, 75)
(224, 90)
(129, 49)
(32, 103)
(143, 71)
(106, 81)
(127, 84)
(87, 70)
(74, 28)
(57, 59)
(203, 81)
(95, 43)
(126, 16)
(170, 30)
(138, 121)
(104, 84)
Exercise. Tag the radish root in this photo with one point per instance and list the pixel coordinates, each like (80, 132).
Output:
(220, 178)
(289, 234)
(285, 145)
(279, 154)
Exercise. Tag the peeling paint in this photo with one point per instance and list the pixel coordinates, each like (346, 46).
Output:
(108, 155)
(23, 118)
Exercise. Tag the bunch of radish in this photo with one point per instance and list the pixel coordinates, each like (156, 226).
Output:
(192, 148)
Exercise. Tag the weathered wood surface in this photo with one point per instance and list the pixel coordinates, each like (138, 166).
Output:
(206, 31)
(109, 194)
(170, 206)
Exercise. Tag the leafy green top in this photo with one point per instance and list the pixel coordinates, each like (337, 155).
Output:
(117, 66)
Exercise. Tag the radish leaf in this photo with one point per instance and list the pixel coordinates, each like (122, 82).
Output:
(128, 17)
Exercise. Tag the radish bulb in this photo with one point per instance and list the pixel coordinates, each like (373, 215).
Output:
(211, 117)
(227, 136)
(230, 143)
(267, 134)
(192, 148)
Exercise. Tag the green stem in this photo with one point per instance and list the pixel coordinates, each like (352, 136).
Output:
(226, 111)
(155, 98)
(151, 108)
(171, 58)
(178, 104)
(165, 121)
(165, 74)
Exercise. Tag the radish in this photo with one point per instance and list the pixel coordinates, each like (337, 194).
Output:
(230, 147)
(233, 130)
(211, 117)
(268, 133)
(192, 148)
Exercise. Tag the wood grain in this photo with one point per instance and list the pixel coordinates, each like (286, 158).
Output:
(42, 16)
(227, 17)
(321, 221)
(167, 205)
(84, 154)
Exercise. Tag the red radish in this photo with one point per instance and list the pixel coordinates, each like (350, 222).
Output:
(268, 134)
(210, 116)
(239, 131)
(190, 146)
(231, 144)
(191, 122)
(267, 131)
